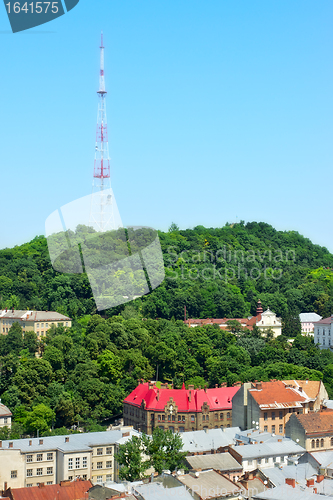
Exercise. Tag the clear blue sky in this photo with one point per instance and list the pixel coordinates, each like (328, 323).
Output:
(218, 110)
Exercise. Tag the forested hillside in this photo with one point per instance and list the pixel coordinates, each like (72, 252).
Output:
(214, 272)
(82, 374)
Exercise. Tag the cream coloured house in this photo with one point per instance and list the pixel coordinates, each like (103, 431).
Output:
(33, 321)
(269, 320)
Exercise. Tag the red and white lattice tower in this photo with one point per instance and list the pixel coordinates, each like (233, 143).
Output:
(104, 215)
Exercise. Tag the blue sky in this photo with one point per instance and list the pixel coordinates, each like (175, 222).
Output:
(218, 110)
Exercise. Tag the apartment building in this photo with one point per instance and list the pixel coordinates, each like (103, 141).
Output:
(32, 321)
(313, 431)
(268, 406)
(50, 460)
(178, 410)
(323, 333)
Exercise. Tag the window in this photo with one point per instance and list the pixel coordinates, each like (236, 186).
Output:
(265, 428)
(77, 463)
(317, 443)
(192, 418)
(39, 457)
(250, 462)
(281, 459)
(258, 461)
(108, 478)
(46, 325)
(99, 480)
(29, 472)
(13, 474)
(321, 443)
(29, 485)
(266, 460)
(5, 420)
(273, 429)
(216, 416)
(274, 460)
(273, 415)
(42, 325)
(49, 482)
(37, 325)
(84, 463)
(173, 418)
(203, 418)
(29, 458)
(84, 477)
(159, 418)
(228, 414)
(49, 470)
(323, 341)
(70, 478)
(183, 418)
(50, 456)
(163, 418)
(108, 464)
(280, 429)
(280, 415)
(181, 429)
(265, 415)
(161, 427)
(313, 443)
(70, 463)
(324, 331)
(171, 428)
(331, 441)
(39, 472)
(99, 465)
(99, 451)
(221, 416)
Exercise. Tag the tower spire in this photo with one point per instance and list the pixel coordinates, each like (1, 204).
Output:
(103, 206)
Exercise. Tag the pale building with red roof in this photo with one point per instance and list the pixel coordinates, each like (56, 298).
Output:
(178, 410)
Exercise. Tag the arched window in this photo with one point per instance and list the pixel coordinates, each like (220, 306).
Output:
(317, 443)
(321, 443)
(228, 414)
(313, 444)
(332, 441)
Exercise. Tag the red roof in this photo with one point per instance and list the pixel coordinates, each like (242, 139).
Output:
(277, 393)
(222, 322)
(324, 321)
(156, 399)
(69, 490)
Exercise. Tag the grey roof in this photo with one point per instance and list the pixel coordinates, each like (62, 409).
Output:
(154, 491)
(286, 491)
(328, 403)
(4, 411)
(208, 482)
(195, 441)
(217, 461)
(76, 442)
(309, 317)
(284, 448)
(324, 458)
(254, 435)
(33, 315)
(300, 472)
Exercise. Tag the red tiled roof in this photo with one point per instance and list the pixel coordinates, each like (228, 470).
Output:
(217, 399)
(277, 393)
(317, 422)
(222, 322)
(69, 490)
(324, 321)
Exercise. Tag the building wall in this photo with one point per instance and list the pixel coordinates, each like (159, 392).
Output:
(6, 421)
(323, 335)
(239, 407)
(295, 430)
(270, 320)
(146, 420)
(103, 464)
(11, 461)
(39, 467)
(73, 465)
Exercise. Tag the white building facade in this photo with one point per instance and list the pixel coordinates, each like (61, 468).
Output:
(323, 333)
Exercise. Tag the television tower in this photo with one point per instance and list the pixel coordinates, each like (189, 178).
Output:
(104, 215)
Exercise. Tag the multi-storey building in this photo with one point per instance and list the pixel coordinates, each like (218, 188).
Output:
(313, 431)
(49, 460)
(5, 416)
(35, 321)
(323, 333)
(307, 322)
(178, 410)
(269, 405)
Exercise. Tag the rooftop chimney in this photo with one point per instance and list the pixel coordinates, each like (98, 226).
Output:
(11, 444)
(40, 441)
(158, 395)
(291, 481)
(320, 478)
(259, 386)
(0, 444)
(191, 387)
(310, 482)
(30, 443)
(189, 396)
(66, 439)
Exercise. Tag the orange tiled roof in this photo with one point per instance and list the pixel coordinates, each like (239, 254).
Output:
(317, 422)
(276, 393)
(74, 490)
(310, 387)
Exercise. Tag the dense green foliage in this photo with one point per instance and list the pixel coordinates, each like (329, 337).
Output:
(162, 451)
(82, 374)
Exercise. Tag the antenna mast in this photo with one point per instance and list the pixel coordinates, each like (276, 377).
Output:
(101, 212)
